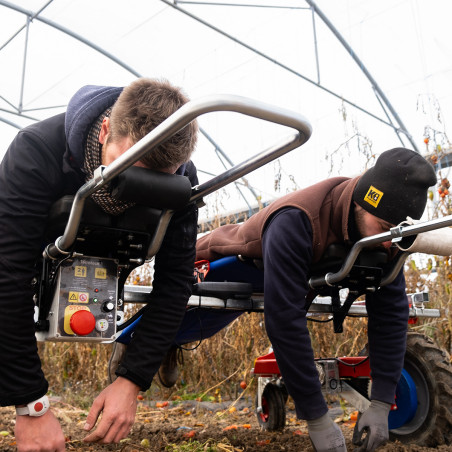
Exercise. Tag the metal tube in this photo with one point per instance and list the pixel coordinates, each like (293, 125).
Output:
(387, 279)
(63, 243)
(367, 242)
(276, 62)
(172, 125)
(188, 2)
(191, 110)
(247, 166)
(70, 33)
(24, 65)
(315, 45)
(231, 163)
(363, 68)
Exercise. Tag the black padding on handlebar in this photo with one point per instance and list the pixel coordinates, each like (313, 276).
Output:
(151, 188)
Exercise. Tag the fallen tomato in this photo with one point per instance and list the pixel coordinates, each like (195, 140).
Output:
(161, 404)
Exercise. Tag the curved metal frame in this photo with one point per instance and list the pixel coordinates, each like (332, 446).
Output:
(169, 127)
(36, 15)
(398, 128)
(394, 234)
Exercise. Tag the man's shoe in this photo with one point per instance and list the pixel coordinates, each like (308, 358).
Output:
(117, 355)
(169, 372)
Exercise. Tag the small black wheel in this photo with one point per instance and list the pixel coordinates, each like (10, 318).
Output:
(284, 392)
(273, 414)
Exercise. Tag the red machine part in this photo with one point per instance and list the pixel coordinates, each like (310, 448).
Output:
(201, 269)
(353, 366)
(349, 366)
(266, 366)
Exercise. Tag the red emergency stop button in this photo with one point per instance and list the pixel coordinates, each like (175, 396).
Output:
(82, 322)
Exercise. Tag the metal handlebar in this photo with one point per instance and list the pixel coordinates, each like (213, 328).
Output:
(179, 119)
(395, 235)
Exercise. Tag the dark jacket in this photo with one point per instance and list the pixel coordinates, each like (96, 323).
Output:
(42, 164)
(290, 235)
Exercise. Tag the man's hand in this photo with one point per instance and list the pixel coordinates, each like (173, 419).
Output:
(118, 403)
(325, 435)
(374, 422)
(39, 434)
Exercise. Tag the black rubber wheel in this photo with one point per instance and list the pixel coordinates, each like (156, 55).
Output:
(431, 371)
(273, 415)
(284, 392)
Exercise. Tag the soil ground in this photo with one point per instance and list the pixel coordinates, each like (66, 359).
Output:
(194, 426)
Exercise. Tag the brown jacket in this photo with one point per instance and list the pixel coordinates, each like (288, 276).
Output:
(327, 205)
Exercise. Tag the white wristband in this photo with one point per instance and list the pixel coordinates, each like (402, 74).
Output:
(35, 408)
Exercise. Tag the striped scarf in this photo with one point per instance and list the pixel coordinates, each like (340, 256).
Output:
(93, 159)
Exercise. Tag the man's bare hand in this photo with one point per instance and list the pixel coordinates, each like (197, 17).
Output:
(39, 434)
(118, 405)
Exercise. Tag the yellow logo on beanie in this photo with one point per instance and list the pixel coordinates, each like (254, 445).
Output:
(373, 196)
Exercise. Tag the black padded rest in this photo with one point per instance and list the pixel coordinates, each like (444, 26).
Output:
(136, 218)
(335, 256)
(59, 215)
(152, 188)
(223, 290)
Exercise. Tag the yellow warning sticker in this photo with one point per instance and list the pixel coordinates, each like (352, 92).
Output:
(78, 297)
(80, 271)
(100, 273)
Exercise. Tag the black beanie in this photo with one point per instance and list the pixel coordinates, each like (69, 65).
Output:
(396, 187)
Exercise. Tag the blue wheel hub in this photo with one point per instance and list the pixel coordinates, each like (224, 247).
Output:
(406, 401)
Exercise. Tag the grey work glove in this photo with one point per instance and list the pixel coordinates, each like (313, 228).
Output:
(326, 436)
(373, 422)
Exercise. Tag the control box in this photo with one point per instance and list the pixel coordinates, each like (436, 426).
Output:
(84, 302)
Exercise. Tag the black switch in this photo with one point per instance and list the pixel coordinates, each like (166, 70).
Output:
(108, 306)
